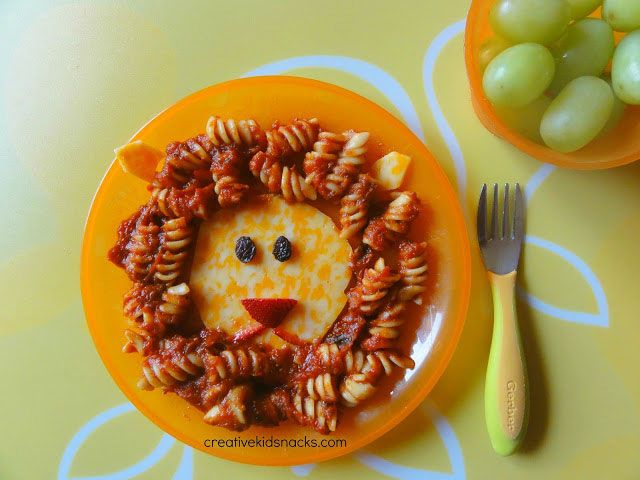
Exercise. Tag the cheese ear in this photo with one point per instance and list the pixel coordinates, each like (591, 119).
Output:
(139, 159)
(389, 171)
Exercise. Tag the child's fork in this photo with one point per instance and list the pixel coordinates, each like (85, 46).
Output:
(506, 387)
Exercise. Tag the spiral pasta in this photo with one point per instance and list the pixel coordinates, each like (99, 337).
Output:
(136, 342)
(175, 304)
(233, 411)
(360, 385)
(321, 387)
(385, 328)
(226, 170)
(296, 137)
(189, 202)
(183, 158)
(239, 363)
(366, 297)
(277, 178)
(322, 416)
(354, 206)
(348, 166)
(413, 269)
(319, 162)
(164, 371)
(174, 252)
(142, 250)
(394, 222)
(230, 131)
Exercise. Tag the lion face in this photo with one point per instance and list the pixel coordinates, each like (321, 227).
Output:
(316, 275)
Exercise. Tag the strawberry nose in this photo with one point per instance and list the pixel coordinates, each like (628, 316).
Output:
(268, 311)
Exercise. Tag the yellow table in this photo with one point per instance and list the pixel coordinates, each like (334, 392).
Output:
(77, 79)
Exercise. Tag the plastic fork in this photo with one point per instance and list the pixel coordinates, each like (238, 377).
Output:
(506, 397)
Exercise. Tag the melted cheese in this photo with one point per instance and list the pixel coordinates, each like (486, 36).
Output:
(316, 275)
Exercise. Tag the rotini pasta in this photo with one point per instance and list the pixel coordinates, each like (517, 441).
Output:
(170, 366)
(171, 263)
(183, 158)
(322, 416)
(184, 202)
(359, 386)
(240, 132)
(346, 169)
(367, 296)
(277, 178)
(385, 328)
(296, 137)
(394, 223)
(321, 387)
(226, 170)
(232, 412)
(413, 269)
(239, 363)
(354, 206)
(231, 376)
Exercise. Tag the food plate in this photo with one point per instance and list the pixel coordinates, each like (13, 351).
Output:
(435, 326)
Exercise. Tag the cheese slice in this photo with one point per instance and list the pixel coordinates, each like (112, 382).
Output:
(316, 275)
(139, 159)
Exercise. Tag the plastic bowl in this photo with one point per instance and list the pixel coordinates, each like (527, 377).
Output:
(436, 325)
(619, 147)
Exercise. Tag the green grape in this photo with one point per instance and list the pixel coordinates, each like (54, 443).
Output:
(582, 8)
(626, 69)
(490, 50)
(577, 115)
(622, 15)
(585, 50)
(619, 107)
(519, 75)
(538, 21)
(526, 120)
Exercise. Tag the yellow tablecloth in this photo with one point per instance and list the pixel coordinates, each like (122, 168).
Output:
(77, 79)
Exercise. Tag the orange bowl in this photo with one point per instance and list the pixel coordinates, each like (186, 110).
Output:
(437, 326)
(618, 147)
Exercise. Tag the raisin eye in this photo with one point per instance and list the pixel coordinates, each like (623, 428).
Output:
(282, 249)
(245, 249)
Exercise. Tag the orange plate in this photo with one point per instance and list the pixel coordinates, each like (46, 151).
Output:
(438, 324)
(618, 147)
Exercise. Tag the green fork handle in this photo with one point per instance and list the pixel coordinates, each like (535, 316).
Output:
(506, 395)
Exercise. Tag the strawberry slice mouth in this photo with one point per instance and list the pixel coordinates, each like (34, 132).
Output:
(269, 312)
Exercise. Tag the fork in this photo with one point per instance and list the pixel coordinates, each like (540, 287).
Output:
(506, 396)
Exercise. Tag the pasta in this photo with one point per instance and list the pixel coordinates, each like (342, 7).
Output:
(322, 416)
(321, 387)
(178, 235)
(394, 222)
(175, 362)
(234, 364)
(226, 171)
(299, 136)
(367, 296)
(277, 178)
(234, 378)
(232, 412)
(355, 205)
(348, 165)
(183, 158)
(413, 269)
(385, 328)
(360, 385)
(227, 132)
(189, 202)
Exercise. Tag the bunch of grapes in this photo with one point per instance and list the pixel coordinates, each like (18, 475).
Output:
(546, 70)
